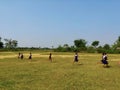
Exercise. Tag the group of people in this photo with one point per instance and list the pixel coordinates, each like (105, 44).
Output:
(104, 60)
(21, 56)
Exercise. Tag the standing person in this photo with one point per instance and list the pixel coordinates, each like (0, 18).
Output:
(30, 56)
(19, 55)
(22, 56)
(76, 57)
(50, 57)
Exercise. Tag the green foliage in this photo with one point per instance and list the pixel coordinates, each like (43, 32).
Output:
(64, 48)
(80, 44)
(1, 45)
(91, 49)
(11, 43)
(106, 47)
(117, 43)
(95, 43)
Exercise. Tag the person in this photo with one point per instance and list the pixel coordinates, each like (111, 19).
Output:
(105, 59)
(19, 55)
(30, 56)
(102, 58)
(76, 57)
(50, 57)
(22, 56)
(105, 56)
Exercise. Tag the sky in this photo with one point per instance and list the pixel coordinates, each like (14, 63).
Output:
(47, 23)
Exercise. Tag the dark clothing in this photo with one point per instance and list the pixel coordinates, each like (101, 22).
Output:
(104, 61)
(22, 56)
(76, 58)
(50, 56)
(30, 57)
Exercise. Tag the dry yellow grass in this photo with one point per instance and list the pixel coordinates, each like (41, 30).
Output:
(61, 74)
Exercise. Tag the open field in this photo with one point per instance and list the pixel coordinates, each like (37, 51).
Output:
(61, 74)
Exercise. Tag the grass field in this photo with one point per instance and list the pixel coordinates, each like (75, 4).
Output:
(61, 74)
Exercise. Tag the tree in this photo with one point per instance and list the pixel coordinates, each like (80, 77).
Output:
(95, 43)
(0, 39)
(14, 43)
(11, 43)
(118, 39)
(80, 44)
(90, 49)
(106, 46)
(116, 44)
(1, 43)
(65, 45)
(59, 48)
(72, 48)
(8, 43)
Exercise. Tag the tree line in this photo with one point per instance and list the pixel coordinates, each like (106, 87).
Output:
(80, 45)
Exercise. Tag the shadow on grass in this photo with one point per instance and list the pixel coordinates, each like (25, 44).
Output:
(107, 66)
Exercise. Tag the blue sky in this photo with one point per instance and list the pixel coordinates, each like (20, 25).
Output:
(47, 23)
